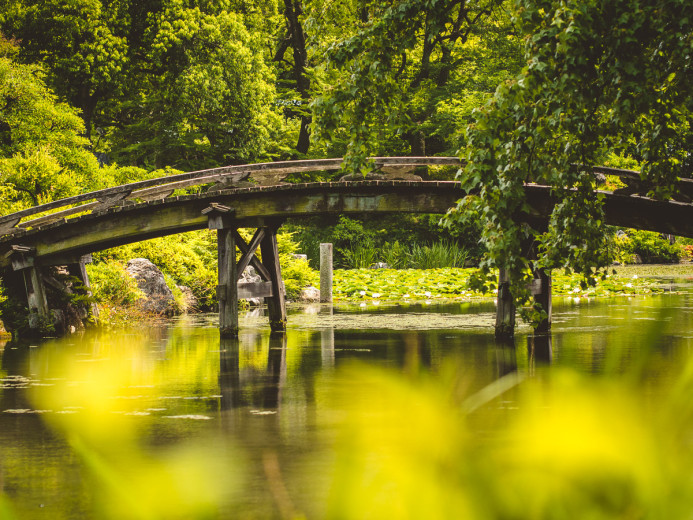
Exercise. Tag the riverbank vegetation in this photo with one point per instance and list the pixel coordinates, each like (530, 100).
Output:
(412, 270)
(379, 285)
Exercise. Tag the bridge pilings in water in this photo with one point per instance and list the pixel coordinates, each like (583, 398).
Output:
(43, 288)
(505, 309)
(229, 290)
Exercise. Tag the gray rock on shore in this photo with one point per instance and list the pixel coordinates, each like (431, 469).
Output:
(158, 297)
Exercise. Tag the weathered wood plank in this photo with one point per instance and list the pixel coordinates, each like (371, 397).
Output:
(8, 224)
(36, 294)
(158, 188)
(106, 202)
(247, 290)
(276, 305)
(124, 225)
(248, 251)
(59, 215)
(200, 177)
(254, 261)
(227, 290)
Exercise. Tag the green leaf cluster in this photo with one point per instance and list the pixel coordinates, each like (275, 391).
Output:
(404, 76)
(42, 154)
(601, 78)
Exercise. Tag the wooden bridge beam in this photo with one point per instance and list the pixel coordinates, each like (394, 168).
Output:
(229, 291)
(276, 304)
(79, 270)
(505, 309)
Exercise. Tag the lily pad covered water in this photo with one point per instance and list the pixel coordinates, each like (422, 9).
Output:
(451, 283)
(387, 411)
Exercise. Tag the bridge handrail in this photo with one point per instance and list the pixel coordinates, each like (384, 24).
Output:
(160, 187)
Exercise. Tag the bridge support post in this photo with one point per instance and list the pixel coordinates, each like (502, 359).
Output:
(227, 288)
(229, 291)
(326, 273)
(36, 297)
(505, 310)
(79, 271)
(221, 218)
(541, 290)
(22, 260)
(276, 303)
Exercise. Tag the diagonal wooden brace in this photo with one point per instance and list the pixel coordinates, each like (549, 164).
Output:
(276, 304)
(249, 257)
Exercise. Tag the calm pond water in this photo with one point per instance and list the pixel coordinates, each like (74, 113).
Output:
(171, 422)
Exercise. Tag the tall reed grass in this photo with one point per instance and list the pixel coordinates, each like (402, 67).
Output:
(437, 255)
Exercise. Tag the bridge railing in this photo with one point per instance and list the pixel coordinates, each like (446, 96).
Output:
(229, 177)
(226, 177)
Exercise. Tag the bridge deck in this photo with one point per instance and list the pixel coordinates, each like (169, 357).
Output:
(254, 206)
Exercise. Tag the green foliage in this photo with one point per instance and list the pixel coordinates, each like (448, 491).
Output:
(296, 272)
(601, 78)
(179, 303)
(190, 259)
(160, 83)
(395, 254)
(438, 255)
(82, 44)
(403, 77)
(456, 283)
(688, 252)
(42, 155)
(402, 284)
(111, 283)
(13, 313)
(360, 255)
(210, 101)
(573, 444)
(652, 248)
(391, 236)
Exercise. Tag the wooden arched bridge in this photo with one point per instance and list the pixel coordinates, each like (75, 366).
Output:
(66, 231)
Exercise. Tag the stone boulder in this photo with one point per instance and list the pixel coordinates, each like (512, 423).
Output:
(158, 298)
(309, 294)
(250, 276)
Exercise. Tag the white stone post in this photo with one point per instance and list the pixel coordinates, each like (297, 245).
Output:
(326, 273)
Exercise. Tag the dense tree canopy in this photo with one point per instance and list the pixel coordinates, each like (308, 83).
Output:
(42, 155)
(602, 77)
(197, 83)
(403, 77)
(161, 83)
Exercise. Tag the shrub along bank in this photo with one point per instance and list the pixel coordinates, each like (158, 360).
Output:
(191, 261)
(188, 261)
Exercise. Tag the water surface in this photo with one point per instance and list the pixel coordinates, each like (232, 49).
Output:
(171, 422)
